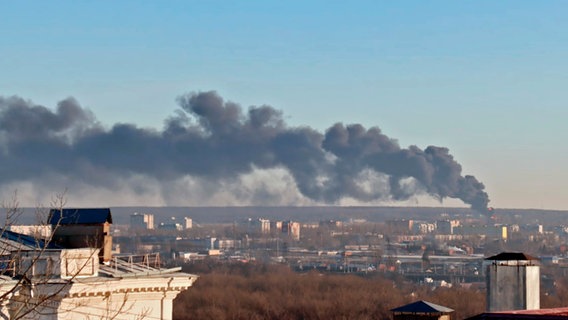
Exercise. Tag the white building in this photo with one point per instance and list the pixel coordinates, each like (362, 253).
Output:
(188, 222)
(43, 280)
(264, 226)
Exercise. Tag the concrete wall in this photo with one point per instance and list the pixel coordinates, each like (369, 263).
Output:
(512, 287)
(65, 263)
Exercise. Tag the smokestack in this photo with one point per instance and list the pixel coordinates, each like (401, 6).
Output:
(217, 142)
(513, 282)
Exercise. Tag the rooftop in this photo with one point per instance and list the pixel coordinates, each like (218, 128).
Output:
(79, 216)
(422, 306)
(18, 240)
(504, 256)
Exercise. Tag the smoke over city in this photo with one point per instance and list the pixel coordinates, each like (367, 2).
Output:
(211, 149)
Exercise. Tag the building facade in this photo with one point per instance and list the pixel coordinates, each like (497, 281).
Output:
(69, 278)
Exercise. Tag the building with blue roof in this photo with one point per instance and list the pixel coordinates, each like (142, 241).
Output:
(83, 227)
(82, 216)
(61, 276)
(422, 310)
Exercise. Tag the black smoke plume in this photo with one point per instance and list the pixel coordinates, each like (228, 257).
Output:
(216, 140)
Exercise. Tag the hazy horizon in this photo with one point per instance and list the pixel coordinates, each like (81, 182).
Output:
(266, 103)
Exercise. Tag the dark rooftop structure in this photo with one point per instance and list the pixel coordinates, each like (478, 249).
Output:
(422, 310)
(513, 282)
(507, 256)
(79, 216)
(83, 228)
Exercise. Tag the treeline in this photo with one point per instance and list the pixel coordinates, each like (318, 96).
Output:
(259, 291)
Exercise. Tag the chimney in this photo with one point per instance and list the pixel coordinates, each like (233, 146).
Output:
(513, 282)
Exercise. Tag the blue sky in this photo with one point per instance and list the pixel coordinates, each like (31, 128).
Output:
(484, 78)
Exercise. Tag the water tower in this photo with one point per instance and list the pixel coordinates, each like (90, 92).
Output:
(513, 282)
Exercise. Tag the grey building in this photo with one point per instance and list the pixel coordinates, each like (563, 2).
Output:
(513, 282)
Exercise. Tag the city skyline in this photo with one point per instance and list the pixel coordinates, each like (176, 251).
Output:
(483, 80)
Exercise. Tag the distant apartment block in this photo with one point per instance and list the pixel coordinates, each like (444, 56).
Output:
(495, 231)
(259, 225)
(276, 225)
(291, 228)
(533, 228)
(207, 243)
(399, 226)
(141, 221)
(188, 223)
(226, 244)
(331, 223)
(421, 227)
(310, 225)
(172, 224)
(264, 225)
(446, 226)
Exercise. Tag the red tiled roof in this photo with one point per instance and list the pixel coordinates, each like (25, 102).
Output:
(552, 311)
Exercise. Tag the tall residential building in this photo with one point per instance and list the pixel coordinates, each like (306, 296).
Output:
(264, 225)
(141, 221)
(258, 225)
(188, 222)
(291, 228)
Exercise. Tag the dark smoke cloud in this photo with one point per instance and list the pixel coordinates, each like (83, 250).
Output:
(216, 140)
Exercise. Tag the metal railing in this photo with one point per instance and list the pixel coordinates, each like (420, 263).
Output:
(139, 262)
